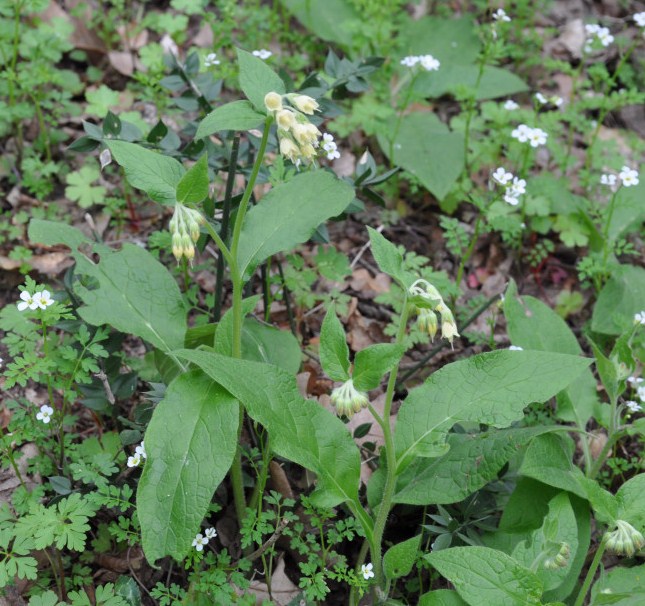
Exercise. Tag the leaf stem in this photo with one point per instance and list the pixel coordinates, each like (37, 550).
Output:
(591, 573)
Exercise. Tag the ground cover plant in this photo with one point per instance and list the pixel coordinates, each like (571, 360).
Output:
(322, 303)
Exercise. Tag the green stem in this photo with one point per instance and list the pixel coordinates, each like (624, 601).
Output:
(390, 456)
(469, 250)
(605, 232)
(591, 573)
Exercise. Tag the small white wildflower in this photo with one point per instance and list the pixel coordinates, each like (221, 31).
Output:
(640, 19)
(607, 179)
(537, 137)
(500, 15)
(521, 133)
(45, 413)
(510, 105)
(639, 318)
(211, 59)
(628, 176)
(27, 301)
(518, 186)
(541, 98)
(263, 53)
(141, 451)
(410, 60)
(333, 154)
(210, 533)
(502, 176)
(134, 460)
(635, 380)
(605, 37)
(640, 392)
(429, 63)
(199, 541)
(515, 348)
(509, 198)
(43, 299)
(592, 29)
(366, 570)
(633, 406)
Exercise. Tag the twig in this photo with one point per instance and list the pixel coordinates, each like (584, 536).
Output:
(270, 542)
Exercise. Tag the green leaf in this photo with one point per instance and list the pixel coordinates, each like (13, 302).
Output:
(387, 257)
(127, 589)
(620, 587)
(100, 100)
(630, 497)
(441, 597)
(492, 388)
(399, 559)
(469, 465)
(257, 79)
(619, 300)
(533, 325)
(224, 335)
(238, 115)
(486, 576)
(371, 364)
(134, 293)
(289, 214)
(49, 598)
(629, 210)
(425, 147)
(193, 187)
(334, 352)
(332, 20)
(301, 430)
(152, 172)
(190, 443)
(264, 343)
(80, 189)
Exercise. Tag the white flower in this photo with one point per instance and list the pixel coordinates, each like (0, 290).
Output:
(134, 460)
(367, 571)
(518, 186)
(273, 101)
(607, 179)
(43, 299)
(27, 301)
(515, 348)
(410, 61)
(210, 533)
(640, 19)
(510, 105)
(510, 198)
(501, 176)
(330, 147)
(45, 413)
(597, 32)
(500, 15)
(211, 59)
(429, 63)
(634, 380)
(633, 406)
(305, 103)
(541, 98)
(333, 154)
(537, 137)
(639, 318)
(641, 393)
(263, 53)
(199, 541)
(557, 101)
(521, 133)
(592, 29)
(605, 37)
(141, 451)
(628, 176)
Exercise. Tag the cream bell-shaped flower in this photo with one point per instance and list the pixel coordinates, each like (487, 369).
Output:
(625, 540)
(307, 105)
(348, 400)
(28, 301)
(273, 101)
(289, 149)
(285, 119)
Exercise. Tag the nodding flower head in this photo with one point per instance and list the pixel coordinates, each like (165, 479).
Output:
(625, 539)
(427, 300)
(348, 400)
(184, 228)
(559, 559)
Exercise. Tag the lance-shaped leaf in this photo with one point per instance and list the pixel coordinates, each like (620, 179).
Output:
(301, 430)
(486, 576)
(193, 186)
(238, 115)
(134, 292)
(334, 353)
(289, 214)
(150, 171)
(492, 388)
(387, 256)
(371, 364)
(257, 79)
(190, 443)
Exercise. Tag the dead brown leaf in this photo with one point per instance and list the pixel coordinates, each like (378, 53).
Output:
(283, 591)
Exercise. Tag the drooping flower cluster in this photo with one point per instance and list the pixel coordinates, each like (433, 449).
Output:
(559, 558)
(211, 59)
(596, 34)
(628, 177)
(515, 186)
(39, 300)
(534, 136)
(625, 540)
(552, 100)
(45, 414)
(138, 457)
(262, 53)
(428, 302)
(348, 400)
(299, 138)
(201, 540)
(184, 228)
(427, 62)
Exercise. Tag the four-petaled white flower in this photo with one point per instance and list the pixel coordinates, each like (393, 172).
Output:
(521, 133)
(28, 301)
(541, 98)
(502, 176)
(141, 450)
(410, 61)
(639, 318)
(510, 105)
(330, 147)
(608, 179)
(429, 63)
(199, 541)
(515, 348)
(210, 533)
(640, 391)
(635, 380)
(640, 19)
(537, 137)
(211, 59)
(45, 413)
(633, 406)
(514, 191)
(366, 570)
(134, 460)
(597, 32)
(628, 176)
(500, 15)
(263, 53)
(43, 299)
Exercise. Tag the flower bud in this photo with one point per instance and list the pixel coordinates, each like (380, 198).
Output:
(427, 322)
(177, 246)
(625, 540)
(285, 119)
(348, 400)
(305, 104)
(308, 151)
(560, 559)
(273, 101)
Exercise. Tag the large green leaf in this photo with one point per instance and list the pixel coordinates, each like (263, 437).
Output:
(193, 186)
(301, 430)
(630, 497)
(533, 325)
(620, 587)
(237, 115)
(621, 298)
(134, 293)
(257, 79)
(425, 147)
(150, 171)
(470, 464)
(629, 210)
(264, 343)
(492, 388)
(486, 576)
(441, 597)
(371, 364)
(334, 352)
(289, 214)
(190, 443)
